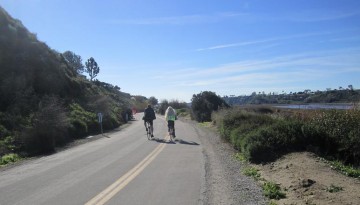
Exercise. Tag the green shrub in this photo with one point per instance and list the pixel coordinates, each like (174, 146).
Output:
(113, 118)
(256, 147)
(78, 128)
(9, 158)
(337, 133)
(49, 127)
(239, 156)
(3, 132)
(346, 170)
(334, 189)
(229, 119)
(204, 103)
(82, 122)
(252, 172)
(333, 133)
(268, 142)
(8, 145)
(183, 112)
(273, 191)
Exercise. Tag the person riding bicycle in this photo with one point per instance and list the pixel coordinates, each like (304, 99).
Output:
(170, 116)
(149, 116)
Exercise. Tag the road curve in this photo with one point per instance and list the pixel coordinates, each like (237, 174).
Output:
(122, 167)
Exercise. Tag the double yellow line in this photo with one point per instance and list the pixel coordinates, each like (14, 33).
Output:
(119, 184)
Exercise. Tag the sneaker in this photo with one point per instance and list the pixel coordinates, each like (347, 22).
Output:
(152, 136)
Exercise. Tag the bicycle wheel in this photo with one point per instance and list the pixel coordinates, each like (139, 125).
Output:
(151, 131)
(171, 133)
(148, 132)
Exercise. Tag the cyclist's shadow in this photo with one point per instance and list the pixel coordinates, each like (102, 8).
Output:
(186, 142)
(162, 141)
(177, 140)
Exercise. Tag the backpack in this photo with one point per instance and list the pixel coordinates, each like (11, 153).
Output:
(149, 114)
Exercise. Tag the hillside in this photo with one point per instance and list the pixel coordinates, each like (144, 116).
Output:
(44, 102)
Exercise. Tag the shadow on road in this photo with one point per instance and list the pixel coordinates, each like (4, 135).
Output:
(162, 141)
(186, 142)
(174, 142)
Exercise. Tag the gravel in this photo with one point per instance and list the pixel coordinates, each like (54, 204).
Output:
(224, 181)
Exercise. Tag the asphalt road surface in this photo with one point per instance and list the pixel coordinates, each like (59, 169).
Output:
(122, 167)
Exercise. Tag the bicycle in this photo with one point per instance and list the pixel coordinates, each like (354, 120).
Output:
(149, 130)
(171, 133)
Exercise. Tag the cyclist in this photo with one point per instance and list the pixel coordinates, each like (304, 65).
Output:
(149, 116)
(170, 116)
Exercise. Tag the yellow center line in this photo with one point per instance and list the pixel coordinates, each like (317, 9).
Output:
(119, 184)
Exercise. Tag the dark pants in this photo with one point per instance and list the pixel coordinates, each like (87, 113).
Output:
(171, 124)
(150, 121)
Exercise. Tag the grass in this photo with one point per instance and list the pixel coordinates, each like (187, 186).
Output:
(239, 156)
(273, 191)
(9, 158)
(252, 172)
(272, 203)
(270, 189)
(346, 170)
(205, 124)
(334, 189)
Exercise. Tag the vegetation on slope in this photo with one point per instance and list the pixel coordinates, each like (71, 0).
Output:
(45, 102)
(264, 134)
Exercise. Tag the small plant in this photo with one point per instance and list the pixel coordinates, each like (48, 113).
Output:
(272, 203)
(205, 124)
(334, 189)
(252, 172)
(239, 156)
(9, 158)
(273, 191)
(346, 170)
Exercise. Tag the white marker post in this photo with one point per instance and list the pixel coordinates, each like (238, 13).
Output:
(100, 116)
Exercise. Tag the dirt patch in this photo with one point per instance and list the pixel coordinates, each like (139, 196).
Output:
(308, 180)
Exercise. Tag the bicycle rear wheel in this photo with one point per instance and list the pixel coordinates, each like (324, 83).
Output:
(171, 133)
(148, 132)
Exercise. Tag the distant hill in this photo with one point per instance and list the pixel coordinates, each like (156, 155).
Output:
(348, 95)
(44, 103)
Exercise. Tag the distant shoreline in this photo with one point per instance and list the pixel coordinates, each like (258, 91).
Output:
(310, 106)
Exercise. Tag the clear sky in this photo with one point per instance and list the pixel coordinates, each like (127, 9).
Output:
(172, 49)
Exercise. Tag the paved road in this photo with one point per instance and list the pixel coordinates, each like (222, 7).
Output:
(123, 168)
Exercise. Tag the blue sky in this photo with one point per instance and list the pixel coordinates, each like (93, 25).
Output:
(174, 49)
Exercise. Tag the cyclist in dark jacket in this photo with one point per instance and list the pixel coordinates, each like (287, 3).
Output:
(149, 116)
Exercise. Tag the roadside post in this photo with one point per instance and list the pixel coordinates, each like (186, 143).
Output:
(100, 117)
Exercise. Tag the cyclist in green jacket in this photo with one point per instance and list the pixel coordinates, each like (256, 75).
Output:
(170, 116)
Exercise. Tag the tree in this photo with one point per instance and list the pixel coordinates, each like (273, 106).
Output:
(153, 101)
(92, 68)
(74, 61)
(163, 106)
(204, 103)
(351, 87)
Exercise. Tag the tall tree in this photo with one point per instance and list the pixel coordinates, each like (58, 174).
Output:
(74, 61)
(153, 101)
(351, 87)
(204, 103)
(92, 68)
